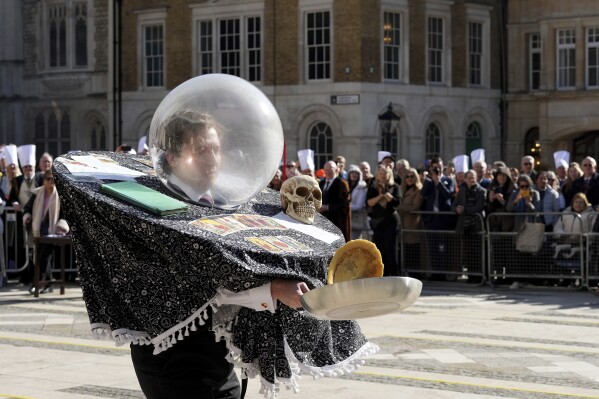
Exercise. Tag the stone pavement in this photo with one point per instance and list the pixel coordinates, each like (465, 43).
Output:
(458, 341)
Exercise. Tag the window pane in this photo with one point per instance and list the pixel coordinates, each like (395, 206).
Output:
(153, 55)
(435, 49)
(391, 45)
(81, 34)
(318, 45)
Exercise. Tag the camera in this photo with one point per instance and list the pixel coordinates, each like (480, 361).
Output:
(436, 171)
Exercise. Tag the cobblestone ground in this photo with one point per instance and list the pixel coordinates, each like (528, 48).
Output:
(457, 341)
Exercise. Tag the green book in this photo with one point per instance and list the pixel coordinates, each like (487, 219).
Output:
(144, 197)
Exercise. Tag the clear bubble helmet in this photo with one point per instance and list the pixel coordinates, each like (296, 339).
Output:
(216, 140)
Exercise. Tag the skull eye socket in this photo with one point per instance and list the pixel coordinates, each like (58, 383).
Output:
(317, 194)
(302, 191)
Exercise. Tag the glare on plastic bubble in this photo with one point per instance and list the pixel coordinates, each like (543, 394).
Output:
(216, 140)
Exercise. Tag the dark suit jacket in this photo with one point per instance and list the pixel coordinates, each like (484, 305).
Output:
(337, 198)
(592, 192)
(445, 190)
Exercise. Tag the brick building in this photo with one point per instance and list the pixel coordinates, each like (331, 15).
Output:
(330, 68)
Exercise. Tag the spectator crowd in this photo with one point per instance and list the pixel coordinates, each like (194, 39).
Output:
(465, 196)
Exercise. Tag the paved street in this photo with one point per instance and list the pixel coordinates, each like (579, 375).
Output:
(458, 341)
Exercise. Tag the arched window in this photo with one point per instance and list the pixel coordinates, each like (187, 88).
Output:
(98, 136)
(321, 142)
(586, 145)
(433, 141)
(474, 138)
(531, 144)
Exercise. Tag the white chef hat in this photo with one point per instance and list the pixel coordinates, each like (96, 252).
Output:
(306, 159)
(382, 155)
(561, 158)
(26, 155)
(477, 155)
(10, 155)
(141, 145)
(461, 163)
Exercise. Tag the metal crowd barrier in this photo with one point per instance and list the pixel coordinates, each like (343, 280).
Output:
(428, 252)
(592, 256)
(18, 251)
(561, 256)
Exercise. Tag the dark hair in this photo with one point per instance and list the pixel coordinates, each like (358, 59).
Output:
(180, 128)
(436, 160)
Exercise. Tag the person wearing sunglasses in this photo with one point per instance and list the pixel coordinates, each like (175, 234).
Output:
(589, 182)
(524, 199)
(527, 167)
(411, 201)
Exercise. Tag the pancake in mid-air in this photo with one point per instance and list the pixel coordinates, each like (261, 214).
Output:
(356, 259)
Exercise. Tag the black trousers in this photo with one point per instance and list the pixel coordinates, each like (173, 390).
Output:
(194, 368)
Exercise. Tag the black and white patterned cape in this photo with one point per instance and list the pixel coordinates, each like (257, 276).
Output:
(150, 280)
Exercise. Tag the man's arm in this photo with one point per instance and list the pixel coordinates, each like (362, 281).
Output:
(265, 297)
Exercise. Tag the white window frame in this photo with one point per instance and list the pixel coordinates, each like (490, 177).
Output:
(70, 35)
(146, 18)
(592, 42)
(215, 13)
(399, 7)
(440, 9)
(313, 6)
(534, 49)
(480, 14)
(566, 44)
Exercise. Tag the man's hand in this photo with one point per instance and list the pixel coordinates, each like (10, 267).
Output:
(288, 291)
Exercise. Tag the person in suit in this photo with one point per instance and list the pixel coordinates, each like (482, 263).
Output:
(197, 367)
(335, 199)
(589, 182)
(438, 191)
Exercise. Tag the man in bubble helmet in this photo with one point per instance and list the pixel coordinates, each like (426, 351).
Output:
(191, 300)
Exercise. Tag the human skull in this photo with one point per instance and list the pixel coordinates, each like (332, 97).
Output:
(300, 197)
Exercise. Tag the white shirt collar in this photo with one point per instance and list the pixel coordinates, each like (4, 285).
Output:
(189, 191)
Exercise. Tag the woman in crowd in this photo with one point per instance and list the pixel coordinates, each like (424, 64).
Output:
(411, 201)
(515, 173)
(277, 181)
(43, 213)
(470, 207)
(524, 199)
(553, 182)
(382, 198)
(357, 193)
(578, 218)
(574, 172)
(498, 195)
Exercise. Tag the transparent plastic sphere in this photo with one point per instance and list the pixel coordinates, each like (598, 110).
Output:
(216, 140)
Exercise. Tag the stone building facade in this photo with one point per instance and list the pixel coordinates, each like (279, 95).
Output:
(331, 67)
(54, 69)
(553, 79)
